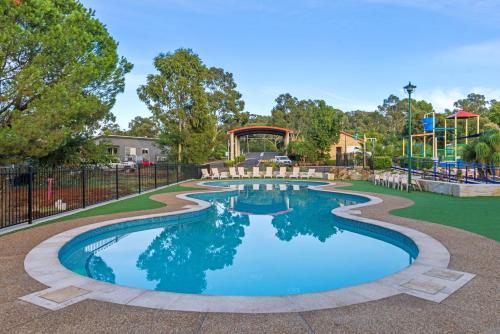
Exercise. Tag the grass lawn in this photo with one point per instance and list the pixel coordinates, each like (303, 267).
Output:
(479, 215)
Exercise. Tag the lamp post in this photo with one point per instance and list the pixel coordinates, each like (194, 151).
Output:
(409, 89)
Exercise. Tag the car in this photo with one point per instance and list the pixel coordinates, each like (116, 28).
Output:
(283, 160)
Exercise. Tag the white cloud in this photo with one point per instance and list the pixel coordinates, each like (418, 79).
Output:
(442, 99)
(484, 53)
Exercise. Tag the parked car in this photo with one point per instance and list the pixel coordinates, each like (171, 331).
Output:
(283, 160)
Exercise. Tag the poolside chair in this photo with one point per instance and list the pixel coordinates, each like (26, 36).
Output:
(204, 173)
(269, 172)
(282, 172)
(256, 172)
(223, 175)
(232, 172)
(403, 183)
(295, 172)
(215, 173)
(310, 173)
(242, 173)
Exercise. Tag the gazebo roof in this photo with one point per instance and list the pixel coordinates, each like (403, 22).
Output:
(256, 129)
(462, 114)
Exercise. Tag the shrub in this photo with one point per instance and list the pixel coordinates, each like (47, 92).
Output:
(382, 162)
(229, 163)
(330, 162)
(239, 159)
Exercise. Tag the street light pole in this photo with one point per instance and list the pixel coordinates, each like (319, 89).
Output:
(409, 89)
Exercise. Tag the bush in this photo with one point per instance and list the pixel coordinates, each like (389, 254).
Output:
(382, 162)
(330, 162)
(229, 163)
(239, 159)
(268, 163)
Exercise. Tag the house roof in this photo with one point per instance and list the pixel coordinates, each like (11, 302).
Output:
(129, 137)
(462, 114)
(350, 135)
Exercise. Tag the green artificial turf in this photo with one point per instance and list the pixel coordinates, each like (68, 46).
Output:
(479, 215)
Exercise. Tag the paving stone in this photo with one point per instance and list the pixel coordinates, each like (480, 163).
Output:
(449, 275)
(423, 286)
(64, 294)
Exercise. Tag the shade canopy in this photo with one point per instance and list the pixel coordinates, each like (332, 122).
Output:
(260, 129)
(462, 114)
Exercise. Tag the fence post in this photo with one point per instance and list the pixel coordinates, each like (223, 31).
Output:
(84, 181)
(139, 176)
(168, 178)
(178, 170)
(30, 191)
(155, 176)
(117, 183)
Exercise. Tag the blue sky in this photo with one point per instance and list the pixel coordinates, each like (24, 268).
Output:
(352, 54)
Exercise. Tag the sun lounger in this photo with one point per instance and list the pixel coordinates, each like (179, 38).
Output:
(269, 172)
(204, 173)
(242, 173)
(282, 172)
(232, 172)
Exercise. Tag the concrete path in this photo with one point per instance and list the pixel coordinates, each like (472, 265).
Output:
(472, 309)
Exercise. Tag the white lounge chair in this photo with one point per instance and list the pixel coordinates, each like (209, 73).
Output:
(310, 173)
(256, 172)
(232, 172)
(269, 172)
(282, 172)
(223, 175)
(295, 172)
(242, 173)
(215, 173)
(204, 173)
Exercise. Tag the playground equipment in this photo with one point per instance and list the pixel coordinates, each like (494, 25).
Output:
(451, 146)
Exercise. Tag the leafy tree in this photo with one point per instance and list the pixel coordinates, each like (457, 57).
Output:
(475, 103)
(112, 128)
(190, 102)
(142, 127)
(290, 112)
(485, 149)
(326, 123)
(59, 77)
(494, 113)
(226, 102)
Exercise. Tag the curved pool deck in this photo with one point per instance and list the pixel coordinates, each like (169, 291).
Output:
(473, 308)
(423, 278)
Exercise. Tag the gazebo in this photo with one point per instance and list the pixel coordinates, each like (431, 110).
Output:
(235, 136)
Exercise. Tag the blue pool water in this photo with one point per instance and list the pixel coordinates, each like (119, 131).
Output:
(256, 240)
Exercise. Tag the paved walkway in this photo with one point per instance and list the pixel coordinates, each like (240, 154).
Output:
(472, 309)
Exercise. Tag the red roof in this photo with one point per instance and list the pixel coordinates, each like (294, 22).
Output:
(463, 114)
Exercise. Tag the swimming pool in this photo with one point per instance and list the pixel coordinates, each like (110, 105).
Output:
(261, 238)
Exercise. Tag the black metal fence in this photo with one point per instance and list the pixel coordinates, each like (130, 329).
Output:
(29, 193)
(451, 171)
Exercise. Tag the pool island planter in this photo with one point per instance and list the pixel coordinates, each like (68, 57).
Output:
(427, 277)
